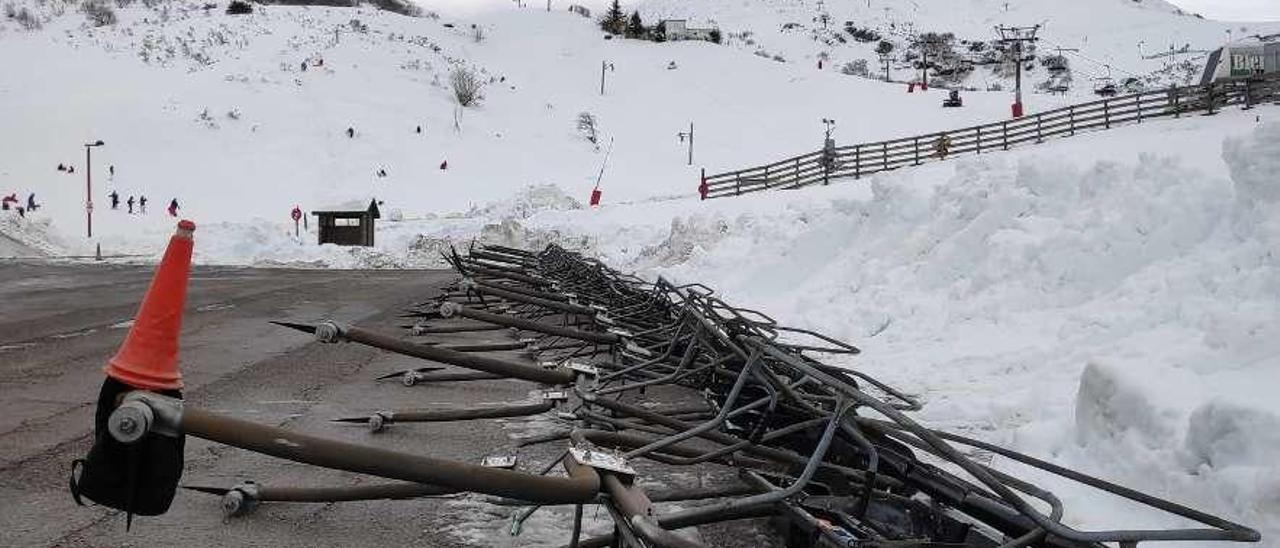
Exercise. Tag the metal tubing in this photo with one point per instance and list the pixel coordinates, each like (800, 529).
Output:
(458, 414)
(530, 325)
(460, 359)
(633, 504)
(582, 484)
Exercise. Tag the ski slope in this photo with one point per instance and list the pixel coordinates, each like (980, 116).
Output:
(1106, 302)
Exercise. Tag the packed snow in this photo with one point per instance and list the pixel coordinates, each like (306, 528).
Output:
(1106, 301)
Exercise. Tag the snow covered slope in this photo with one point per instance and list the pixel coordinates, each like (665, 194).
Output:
(1106, 301)
(217, 111)
(1131, 36)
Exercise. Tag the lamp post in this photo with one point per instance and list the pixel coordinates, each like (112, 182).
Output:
(682, 135)
(603, 66)
(88, 186)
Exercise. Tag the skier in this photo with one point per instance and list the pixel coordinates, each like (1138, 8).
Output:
(142, 205)
(130, 203)
(22, 213)
(419, 130)
(31, 202)
(304, 66)
(351, 133)
(173, 207)
(71, 169)
(12, 198)
(115, 200)
(444, 166)
(112, 170)
(62, 167)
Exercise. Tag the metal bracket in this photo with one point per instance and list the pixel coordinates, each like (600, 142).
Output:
(142, 412)
(604, 460)
(447, 310)
(584, 368)
(328, 332)
(555, 395)
(498, 461)
(240, 500)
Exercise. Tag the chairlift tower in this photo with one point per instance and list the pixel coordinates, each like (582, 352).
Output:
(1017, 36)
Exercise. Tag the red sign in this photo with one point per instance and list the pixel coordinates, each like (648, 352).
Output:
(296, 214)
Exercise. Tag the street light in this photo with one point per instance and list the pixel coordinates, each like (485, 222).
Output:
(682, 135)
(88, 186)
(604, 65)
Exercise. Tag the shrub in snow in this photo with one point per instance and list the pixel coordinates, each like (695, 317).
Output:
(23, 16)
(98, 13)
(855, 68)
(466, 85)
(239, 7)
(587, 127)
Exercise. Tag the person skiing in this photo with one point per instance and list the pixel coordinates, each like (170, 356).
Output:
(419, 130)
(173, 207)
(112, 170)
(444, 166)
(10, 199)
(31, 202)
(22, 213)
(351, 133)
(130, 203)
(142, 205)
(115, 200)
(62, 167)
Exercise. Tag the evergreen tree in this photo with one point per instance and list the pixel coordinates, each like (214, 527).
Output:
(635, 27)
(614, 22)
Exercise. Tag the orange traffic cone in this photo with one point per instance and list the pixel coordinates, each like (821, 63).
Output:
(148, 359)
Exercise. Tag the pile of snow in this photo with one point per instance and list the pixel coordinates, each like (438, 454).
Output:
(1102, 305)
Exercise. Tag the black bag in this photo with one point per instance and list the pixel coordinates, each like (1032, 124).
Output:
(140, 478)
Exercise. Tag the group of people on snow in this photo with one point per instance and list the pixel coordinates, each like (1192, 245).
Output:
(11, 203)
(142, 204)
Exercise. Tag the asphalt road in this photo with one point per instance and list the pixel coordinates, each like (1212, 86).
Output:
(59, 324)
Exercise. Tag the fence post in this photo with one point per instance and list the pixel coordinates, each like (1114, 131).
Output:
(1039, 135)
(978, 140)
(1137, 101)
(737, 184)
(915, 141)
(767, 182)
(1209, 100)
(1004, 133)
(1071, 119)
(796, 177)
(884, 153)
(1106, 113)
(1248, 94)
(857, 161)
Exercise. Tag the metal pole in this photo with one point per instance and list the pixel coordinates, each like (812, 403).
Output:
(88, 192)
(690, 143)
(1017, 79)
(602, 65)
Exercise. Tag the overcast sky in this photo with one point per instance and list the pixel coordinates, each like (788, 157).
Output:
(1233, 10)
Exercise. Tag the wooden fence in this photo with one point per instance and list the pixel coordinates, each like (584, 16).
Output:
(867, 158)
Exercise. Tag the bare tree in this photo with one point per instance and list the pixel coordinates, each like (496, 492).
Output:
(467, 86)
